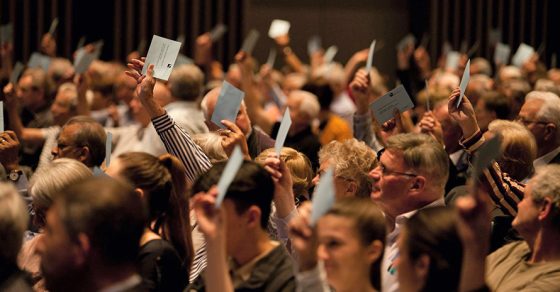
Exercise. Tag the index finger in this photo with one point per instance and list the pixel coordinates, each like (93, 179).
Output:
(232, 126)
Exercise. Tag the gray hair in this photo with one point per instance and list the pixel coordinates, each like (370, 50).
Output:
(211, 144)
(186, 82)
(13, 222)
(309, 103)
(52, 178)
(545, 183)
(550, 109)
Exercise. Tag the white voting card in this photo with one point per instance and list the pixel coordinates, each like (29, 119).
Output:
(108, 146)
(370, 56)
(250, 42)
(227, 105)
(54, 25)
(485, 154)
(283, 132)
(217, 32)
(408, 40)
(452, 60)
(162, 54)
(231, 169)
(38, 60)
(278, 27)
(501, 54)
(464, 82)
(330, 53)
(384, 107)
(313, 44)
(84, 58)
(18, 69)
(324, 196)
(522, 55)
(271, 58)
(6, 33)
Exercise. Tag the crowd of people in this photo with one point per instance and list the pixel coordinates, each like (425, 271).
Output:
(410, 211)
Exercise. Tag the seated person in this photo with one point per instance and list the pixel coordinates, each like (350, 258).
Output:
(238, 229)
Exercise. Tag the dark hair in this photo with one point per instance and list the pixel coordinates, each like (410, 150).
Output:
(252, 185)
(497, 103)
(92, 135)
(369, 222)
(109, 212)
(164, 183)
(322, 90)
(432, 232)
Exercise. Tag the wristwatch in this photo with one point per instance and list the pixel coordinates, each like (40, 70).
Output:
(14, 175)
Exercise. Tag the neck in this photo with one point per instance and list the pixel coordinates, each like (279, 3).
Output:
(351, 286)
(249, 251)
(545, 247)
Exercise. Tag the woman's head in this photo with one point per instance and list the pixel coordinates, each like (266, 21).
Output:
(297, 163)
(351, 240)
(430, 252)
(519, 148)
(163, 185)
(51, 179)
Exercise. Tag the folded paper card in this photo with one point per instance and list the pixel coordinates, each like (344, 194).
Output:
(384, 107)
(162, 54)
(227, 106)
(230, 170)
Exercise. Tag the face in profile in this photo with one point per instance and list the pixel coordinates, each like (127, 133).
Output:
(62, 258)
(347, 258)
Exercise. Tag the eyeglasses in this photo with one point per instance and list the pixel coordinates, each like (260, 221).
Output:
(386, 171)
(527, 122)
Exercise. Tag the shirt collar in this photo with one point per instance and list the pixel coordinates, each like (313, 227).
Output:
(244, 272)
(545, 159)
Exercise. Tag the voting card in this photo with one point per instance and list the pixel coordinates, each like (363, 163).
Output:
(486, 154)
(427, 95)
(271, 58)
(329, 54)
(464, 82)
(84, 58)
(370, 57)
(324, 196)
(162, 54)
(16, 72)
(408, 40)
(384, 107)
(38, 60)
(217, 32)
(6, 33)
(494, 36)
(452, 60)
(313, 45)
(227, 105)
(501, 54)
(522, 55)
(464, 47)
(183, 60)
(1, 116)
(553, 61)
(472, 51)
(250, 42)
(446, 48)
(54, 25)
(425, 41)
(278, 27)
(108, 148)
(283, 132)
(232, 167)
(81, 43)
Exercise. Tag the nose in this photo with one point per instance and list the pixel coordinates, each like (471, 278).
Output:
(375, 173)
(55, 151)
(315, 180)
(40, 248)
(322, 253)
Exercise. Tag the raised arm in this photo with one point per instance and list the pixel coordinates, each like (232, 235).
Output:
(176, 140)
(27, 135)
(363, 124)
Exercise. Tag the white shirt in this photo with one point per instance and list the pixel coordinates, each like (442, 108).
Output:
(545, 159)
(188, 116)
(137, 139)
(388, 270)
(343, 106)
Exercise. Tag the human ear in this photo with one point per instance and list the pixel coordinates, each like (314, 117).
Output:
(422, 267)
(253, 216)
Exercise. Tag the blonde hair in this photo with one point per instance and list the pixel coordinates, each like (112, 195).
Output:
(519, 148)
(50, 179)
(353, 160)
(299, 166)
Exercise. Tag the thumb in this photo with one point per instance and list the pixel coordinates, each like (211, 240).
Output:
(150, 71)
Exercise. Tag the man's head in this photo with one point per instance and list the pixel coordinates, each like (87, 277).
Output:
(540, 208)
(541, 115)
(411, 173)
(334, 74)
(304, 108)
(81, 138)
(13, 222)
(93, 228)
(33, 89)
(247, 202)
(352, 161)
(208, 105)
(491, 106)
(186, 82)
(65, 103)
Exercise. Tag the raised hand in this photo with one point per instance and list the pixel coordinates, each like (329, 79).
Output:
(360, 90)
(233, 136)
(303, 238)
(464, 115)
(209, 218)
(9, 148)
(431, 126)
(283, 185)
(145, 86)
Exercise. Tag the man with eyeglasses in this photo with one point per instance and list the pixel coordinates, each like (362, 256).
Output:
(411, 174)
(541, 115)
